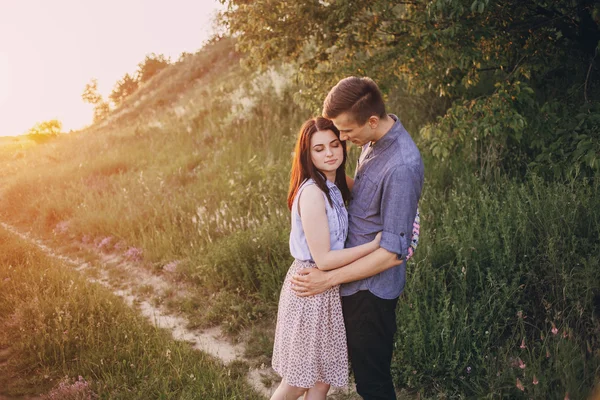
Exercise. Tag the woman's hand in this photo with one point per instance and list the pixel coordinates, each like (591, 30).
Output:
(376, 240)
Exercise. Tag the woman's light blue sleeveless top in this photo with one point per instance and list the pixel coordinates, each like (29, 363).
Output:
(337, 218)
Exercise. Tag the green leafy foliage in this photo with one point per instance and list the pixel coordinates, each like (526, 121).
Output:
(480, 129)
(444, 46)
(151, 66)
(52, 127)
(45, 131)
(123, 88)
(500, 268)
(90, 92)
(500, 65)
(565, 142)
(92, 96)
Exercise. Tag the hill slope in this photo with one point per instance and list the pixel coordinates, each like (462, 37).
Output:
(190, 175)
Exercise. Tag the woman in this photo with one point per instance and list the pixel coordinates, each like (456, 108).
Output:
(310, 350)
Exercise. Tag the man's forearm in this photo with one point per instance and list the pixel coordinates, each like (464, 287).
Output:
(370, 265)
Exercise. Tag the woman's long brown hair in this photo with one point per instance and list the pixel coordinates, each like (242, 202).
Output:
(303, 167)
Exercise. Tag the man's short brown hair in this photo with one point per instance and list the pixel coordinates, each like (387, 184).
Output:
(360, 97)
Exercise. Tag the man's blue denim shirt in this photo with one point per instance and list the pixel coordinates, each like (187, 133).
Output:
(387, 188)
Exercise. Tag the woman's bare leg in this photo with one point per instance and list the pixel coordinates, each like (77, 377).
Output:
(317, 392)
(287, 392)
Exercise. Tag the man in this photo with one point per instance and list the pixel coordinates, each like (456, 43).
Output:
(387, 188)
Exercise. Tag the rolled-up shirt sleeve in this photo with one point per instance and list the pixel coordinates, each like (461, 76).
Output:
(400, 197)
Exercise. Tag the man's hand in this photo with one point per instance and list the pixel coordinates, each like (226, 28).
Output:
(311, 281)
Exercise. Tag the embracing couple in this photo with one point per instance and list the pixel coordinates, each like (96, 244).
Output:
(339, 297)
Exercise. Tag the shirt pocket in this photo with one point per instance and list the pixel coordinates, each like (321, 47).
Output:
(365, 192)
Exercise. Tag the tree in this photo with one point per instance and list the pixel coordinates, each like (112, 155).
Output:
(101, 111)
(184, 56)
(90, 92)
(123, 89)
(52, 127)
(45, 131)
(444, 46)
(151, 66)
(526, 60)
(90, 95)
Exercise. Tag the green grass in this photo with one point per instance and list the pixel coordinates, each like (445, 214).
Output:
(201, 178)
(183, 191)
(500, 264)
(56, 324)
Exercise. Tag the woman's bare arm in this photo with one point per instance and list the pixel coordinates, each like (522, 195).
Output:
(316, 229)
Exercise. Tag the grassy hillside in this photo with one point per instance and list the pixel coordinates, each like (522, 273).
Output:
(72, 339)
(14, 145)
(170, 180)
(192, 171)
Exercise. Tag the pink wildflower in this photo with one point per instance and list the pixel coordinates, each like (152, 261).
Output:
(535, 380)
(554, 329)
(171, 267)
(70, 389)
(520, 385)
(522, 365)
(567, 396)
(62, 227)
(133, 253)
(105, 243)
(410, 253)
(523, 344)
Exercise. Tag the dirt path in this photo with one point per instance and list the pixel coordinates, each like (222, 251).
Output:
(211, 341)
(134, 279)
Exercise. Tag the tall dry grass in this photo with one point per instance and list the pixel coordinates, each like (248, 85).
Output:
(197, 183)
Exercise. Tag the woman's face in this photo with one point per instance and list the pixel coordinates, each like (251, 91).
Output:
(326, 152)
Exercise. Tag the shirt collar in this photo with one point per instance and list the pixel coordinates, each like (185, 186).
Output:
(389, 137)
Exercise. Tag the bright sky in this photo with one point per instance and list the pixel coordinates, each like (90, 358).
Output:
(49, 50)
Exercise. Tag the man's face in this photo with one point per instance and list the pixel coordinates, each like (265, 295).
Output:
(352, 131)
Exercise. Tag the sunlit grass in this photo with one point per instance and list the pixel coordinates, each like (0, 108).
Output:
(195, 187)
(56, 324)
(13, 147)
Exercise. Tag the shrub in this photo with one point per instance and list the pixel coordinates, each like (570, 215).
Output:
(498, 269)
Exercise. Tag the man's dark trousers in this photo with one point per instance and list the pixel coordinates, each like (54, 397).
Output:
(370, 328)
